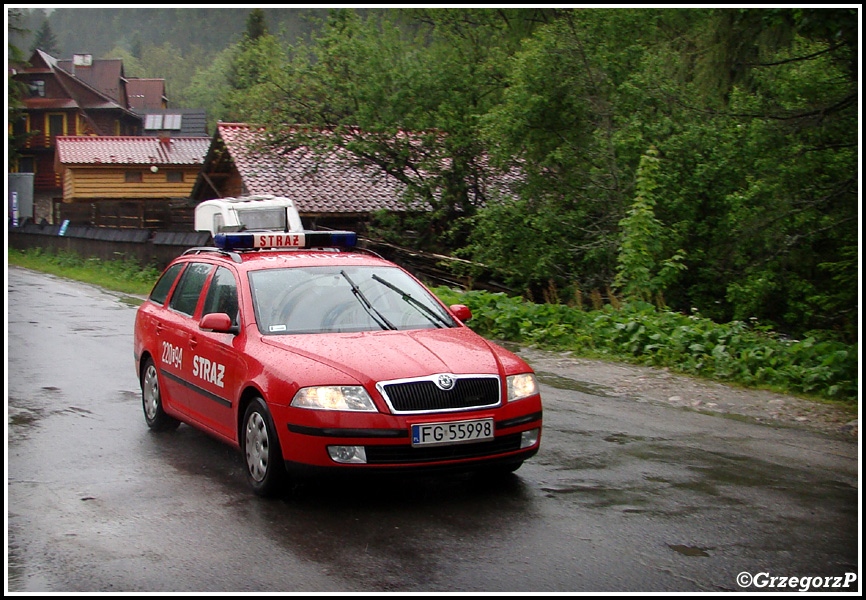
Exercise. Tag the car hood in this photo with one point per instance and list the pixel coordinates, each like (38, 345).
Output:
(387, 355)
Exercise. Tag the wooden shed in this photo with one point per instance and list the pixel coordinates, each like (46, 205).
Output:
(127, 181)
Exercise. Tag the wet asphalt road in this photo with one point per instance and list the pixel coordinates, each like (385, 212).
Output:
(623, 496)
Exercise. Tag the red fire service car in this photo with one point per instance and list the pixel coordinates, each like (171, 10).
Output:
(309, 356)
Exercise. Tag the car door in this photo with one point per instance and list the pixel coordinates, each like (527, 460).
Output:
(156, 334)
(217, 359)
(178, 323)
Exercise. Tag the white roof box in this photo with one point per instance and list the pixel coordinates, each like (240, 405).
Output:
(248, 213)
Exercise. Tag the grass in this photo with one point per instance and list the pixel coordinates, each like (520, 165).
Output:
(122, 275)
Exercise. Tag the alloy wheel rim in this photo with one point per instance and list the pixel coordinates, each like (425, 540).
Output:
(257, 446)
(151, 392)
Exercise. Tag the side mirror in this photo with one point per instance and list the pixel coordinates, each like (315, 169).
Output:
(461, 311)
(219, 322)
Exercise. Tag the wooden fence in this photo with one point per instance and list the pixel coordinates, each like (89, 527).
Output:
(127, 214)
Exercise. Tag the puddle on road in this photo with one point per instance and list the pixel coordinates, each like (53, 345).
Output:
(564, 383)
(688, 550)
(130, 301)
(23, 419)
(623, 438)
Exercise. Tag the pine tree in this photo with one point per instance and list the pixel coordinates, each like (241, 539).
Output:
(45, 40)
(256, 26)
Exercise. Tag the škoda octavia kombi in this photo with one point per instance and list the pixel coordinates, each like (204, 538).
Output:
(310, 357)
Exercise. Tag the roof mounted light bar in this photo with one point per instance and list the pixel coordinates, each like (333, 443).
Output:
(285, 239)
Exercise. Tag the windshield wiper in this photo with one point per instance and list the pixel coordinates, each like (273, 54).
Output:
(431, 315)
(380, 319)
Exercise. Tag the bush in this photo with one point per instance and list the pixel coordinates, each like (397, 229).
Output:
(739, 352)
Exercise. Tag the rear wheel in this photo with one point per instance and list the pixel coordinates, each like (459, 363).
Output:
(261, 448)
(151, 400)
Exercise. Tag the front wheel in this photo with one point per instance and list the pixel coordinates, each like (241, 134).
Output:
(151, 400)
(261, 448)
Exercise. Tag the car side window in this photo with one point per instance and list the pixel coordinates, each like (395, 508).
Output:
(163, 286)
(222, 295)
(188, 289)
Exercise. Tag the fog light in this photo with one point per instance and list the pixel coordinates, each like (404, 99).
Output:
(348, 454)
(529, 438)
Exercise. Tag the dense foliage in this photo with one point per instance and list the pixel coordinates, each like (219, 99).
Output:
(702, 157)
(741, 352)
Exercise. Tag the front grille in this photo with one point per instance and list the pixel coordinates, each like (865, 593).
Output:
(404, 454)
(425, 396)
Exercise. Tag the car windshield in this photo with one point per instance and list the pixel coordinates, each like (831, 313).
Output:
(342, 299)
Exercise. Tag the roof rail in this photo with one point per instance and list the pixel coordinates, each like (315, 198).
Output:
(202, 249)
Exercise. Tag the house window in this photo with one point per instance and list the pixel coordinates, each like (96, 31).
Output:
(174, 176)
(26, 164)
(37, 88)
(132, 177)
(21, 126)
(56, 124)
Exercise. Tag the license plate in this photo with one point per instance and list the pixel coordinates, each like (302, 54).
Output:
(453, 432)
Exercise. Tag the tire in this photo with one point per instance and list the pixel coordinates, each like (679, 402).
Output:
(260, 446)
(151, 400)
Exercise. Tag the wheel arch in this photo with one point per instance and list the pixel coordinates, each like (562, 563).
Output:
(142, 362)
(250, 392)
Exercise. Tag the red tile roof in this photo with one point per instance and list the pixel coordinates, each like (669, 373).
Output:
(317, 184)
(130, 150)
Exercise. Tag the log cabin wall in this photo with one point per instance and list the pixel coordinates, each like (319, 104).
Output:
(129, 182)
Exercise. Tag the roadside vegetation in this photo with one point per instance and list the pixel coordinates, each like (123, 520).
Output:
(742, 352)
(121, 275)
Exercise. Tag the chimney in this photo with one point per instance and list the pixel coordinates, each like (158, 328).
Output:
(81, 60)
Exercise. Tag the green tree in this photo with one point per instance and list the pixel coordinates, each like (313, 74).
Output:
(754, 114)
(402, 92)
(558, 122)
(45, 40)
(15, 90)
(209, 88)
(169, 62)
(256, 25)
(641, 273)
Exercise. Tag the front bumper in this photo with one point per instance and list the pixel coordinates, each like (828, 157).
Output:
(389, 448)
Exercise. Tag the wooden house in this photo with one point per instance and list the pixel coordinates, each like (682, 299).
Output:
(81, 96)
(128, 181)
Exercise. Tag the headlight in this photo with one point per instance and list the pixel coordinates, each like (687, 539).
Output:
(334, 397)
(521, 386)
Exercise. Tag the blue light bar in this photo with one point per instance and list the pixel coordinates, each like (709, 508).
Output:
(285, 239)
